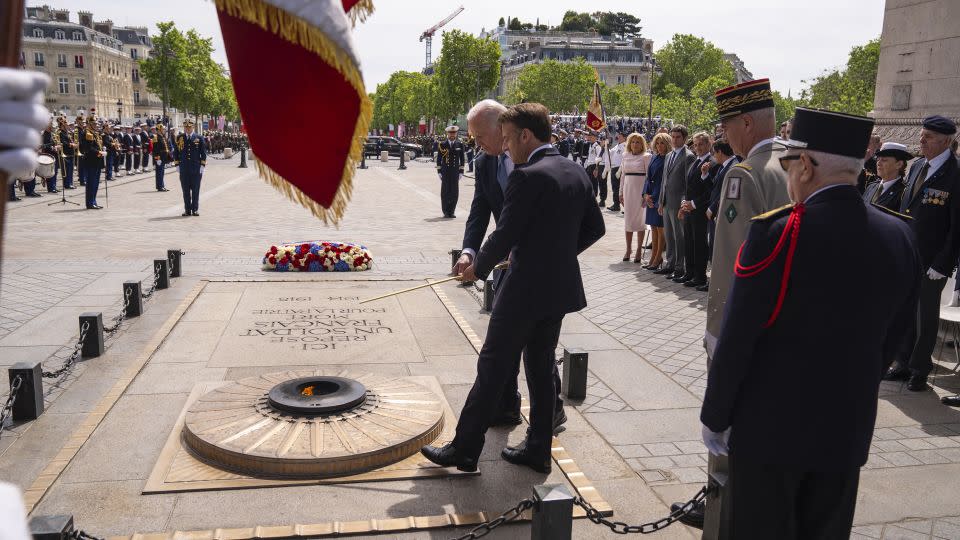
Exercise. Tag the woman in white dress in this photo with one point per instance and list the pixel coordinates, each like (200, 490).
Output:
(633, 175)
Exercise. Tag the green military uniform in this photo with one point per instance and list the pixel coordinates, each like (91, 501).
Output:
(753, 187)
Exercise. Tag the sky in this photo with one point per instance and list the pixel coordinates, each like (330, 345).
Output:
(787, 41)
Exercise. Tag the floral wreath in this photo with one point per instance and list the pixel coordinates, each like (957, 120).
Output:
(318, 256)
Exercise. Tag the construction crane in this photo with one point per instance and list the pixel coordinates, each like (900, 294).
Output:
(428, 34)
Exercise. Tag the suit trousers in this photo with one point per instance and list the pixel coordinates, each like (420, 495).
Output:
(695, 244)
(158, 175)
(29, 186)
(673, 236)
(68, 172)
(787, 504)
(449, 192)
(52, 181)
(928, 323)
(190, 184)
(128, 163)
(82, 172)
(136, 161)
(599, 182)
(92, 183)
(507, 335)
(108, 172)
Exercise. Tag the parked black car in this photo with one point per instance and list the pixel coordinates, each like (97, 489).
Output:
(391, 145)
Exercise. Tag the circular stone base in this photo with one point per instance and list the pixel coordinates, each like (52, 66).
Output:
(236, 428)
(317, 395)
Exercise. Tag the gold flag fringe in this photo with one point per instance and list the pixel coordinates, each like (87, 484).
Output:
(300, 32)
(360, 11)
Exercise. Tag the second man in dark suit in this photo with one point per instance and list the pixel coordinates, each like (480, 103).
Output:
(693, 213)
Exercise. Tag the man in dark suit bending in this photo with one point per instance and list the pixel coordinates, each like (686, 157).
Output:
(493, 169)
(548, 208)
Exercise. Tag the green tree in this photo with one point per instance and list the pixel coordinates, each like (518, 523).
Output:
(560, 86)
(852, 89)
(624, 100)
(686, 60)
(622, 25)
(164, 69)
(501, 22)
(467, 69)
(577, 22)
(515, 24)
(785, 107)
(696, 110)
(200, 75)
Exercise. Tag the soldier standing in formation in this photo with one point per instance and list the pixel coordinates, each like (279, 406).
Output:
(450, 162)
(128, 149)
(144, 150)
(68, 149)
(191, 158)
(108, 146)
(160, 156)
(51, 145)
(92, 154)
(79, 127)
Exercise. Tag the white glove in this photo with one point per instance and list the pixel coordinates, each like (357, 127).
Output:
(22, 117)
(201, 169)
(955, 301)
(934, 275)
(716, 442)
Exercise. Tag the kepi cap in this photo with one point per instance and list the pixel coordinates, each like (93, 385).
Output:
(895, 150)
(940, 124)
(743, 98)
(830, 132)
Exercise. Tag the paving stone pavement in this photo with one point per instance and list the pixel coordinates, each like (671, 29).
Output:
(647, 365)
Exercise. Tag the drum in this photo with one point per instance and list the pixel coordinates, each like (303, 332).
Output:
(46, 166)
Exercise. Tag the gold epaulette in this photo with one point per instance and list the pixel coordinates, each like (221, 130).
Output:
(893, 213)
(744, 166)
(775, 213)
(89, 136)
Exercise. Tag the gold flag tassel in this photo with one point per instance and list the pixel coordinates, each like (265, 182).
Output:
(298, 31)
(360, 11)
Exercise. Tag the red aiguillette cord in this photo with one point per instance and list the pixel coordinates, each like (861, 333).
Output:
(792, 229)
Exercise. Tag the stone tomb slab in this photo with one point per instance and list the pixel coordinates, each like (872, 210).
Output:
(316, 323)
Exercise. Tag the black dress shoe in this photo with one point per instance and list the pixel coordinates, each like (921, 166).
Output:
(185, 214)
(14, 199)
(614, 208)
(447, 456)
(953, 401)
(897, 373)
(163, 189)
(679, 278)
(53, 191)
(601, 204)
(664, 271)
(507, 418)
(694, 518)
(917, 383)
(559, 419)
(521, 455)
(195, 213)
(697, 283)
(34, 195)
(704, 288)
(70, 187)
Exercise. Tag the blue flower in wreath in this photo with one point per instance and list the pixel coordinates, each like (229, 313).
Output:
(283, 267)
(341, 266)
(314, 266)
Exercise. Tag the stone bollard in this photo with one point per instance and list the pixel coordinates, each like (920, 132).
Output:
(134, 291)
(552, 513)
(403, 162)
(29, 405)
(161, 272)
(385, 156)
(363, 159)
(174, 256)
(488, 294)
(93, 342)
(574, 382)
(243, 157)
(51, 527)
(454, 256)
(719, 509)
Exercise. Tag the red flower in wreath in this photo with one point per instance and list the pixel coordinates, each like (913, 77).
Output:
(273, 249)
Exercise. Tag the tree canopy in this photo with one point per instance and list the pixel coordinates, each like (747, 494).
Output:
(850, 90)
(560, 86)
(686, 60)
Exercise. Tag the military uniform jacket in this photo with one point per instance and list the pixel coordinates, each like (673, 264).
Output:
(90, 146)
(48, 143)
(160, 148)
(750, 188)
(107, 140)
(850, 332)
(190, 152)
(936, 214)
(144, 142)
(451, 158)
(66, 137)
(889, 199)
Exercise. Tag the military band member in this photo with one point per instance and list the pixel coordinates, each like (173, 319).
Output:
(68, 148)
(136, 149)
(117, 150)
(108, 146)
(450, 162)
(144, 149)
(128, 147)
(79, 127)
(51, 146)
(92, 152)
(191, 157)
(887, 188)
(160, 156)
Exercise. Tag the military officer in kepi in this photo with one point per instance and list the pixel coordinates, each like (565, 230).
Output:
(160, 155)
(795, 462)
(191, 157)
(450, 161)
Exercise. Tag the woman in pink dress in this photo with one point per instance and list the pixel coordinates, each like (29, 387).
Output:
(633, 175)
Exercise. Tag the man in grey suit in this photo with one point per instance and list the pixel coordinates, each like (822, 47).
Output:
(671, 195)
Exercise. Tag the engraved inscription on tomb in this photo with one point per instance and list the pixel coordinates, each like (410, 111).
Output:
(318, 328)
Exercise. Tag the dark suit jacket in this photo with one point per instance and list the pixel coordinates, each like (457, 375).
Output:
(698, 189)
(717, 189)
(852, 333)
(936, 214)
(451, 157)
(487, 200)
(549, 217)
(888, 199)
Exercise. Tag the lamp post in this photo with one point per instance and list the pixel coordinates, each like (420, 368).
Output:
(653, 71)
(120, 111)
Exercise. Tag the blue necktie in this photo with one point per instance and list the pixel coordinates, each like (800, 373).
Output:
(502, 172)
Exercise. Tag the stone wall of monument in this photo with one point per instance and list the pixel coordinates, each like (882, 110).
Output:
(919, 70)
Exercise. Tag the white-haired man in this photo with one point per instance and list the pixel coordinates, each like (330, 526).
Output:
(493, 167)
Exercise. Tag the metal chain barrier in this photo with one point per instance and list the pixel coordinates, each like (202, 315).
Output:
(72, 359)
(484, 528)
(82, 535)
(619, 527)
(118, 320)
(153, 288)
(11, 400)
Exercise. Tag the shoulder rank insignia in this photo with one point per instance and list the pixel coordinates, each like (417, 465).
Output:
(893, 213)
(775, 213)
(89, 136)
(744, 166)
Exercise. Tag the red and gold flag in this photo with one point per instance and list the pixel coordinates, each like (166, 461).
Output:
(595, 118)
(295, 59)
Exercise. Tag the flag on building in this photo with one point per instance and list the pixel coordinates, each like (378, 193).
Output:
(312, 65)
(595, 120)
